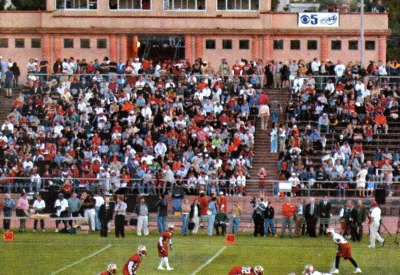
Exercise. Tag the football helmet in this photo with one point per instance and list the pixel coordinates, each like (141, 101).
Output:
(330, 231)
(259, 270)
(308, 269)
(142, 251)
(112, 268)
(171, 227)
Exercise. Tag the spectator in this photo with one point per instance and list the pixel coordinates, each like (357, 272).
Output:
(142, 212)
(221, 219)
(162, 211)
(288, 210)
(8, 206)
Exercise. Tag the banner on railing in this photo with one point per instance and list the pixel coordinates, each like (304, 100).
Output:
(319, 19)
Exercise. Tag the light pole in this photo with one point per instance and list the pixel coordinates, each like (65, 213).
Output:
(362, 34)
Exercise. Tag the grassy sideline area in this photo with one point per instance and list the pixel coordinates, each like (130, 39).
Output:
(50, 253)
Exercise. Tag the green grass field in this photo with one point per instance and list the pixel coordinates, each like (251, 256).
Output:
(51, 253)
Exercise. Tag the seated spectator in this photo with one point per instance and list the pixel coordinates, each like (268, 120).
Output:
(381, 124)
(221, 220)
(323, 121)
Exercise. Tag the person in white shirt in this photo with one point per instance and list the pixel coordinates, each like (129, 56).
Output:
(39, 205)
(99, 202)
(361, 180)
(160, 149)
(61, 205)
(146, 111)
(375, 219)
(339, 70)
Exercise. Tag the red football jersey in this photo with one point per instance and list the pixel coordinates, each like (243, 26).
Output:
(136, 260)
(242, 270)
(165, 237)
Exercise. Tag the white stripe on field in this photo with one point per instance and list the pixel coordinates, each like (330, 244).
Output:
(208, 261)
(81, 260)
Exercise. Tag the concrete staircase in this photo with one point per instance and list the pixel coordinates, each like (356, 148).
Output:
(262, 147)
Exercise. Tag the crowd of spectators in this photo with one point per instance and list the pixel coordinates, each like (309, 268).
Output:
(141, 125)
(361, 101)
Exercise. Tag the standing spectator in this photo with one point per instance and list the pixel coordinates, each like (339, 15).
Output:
(99, 202)
(361, 217)
(274, 138)
(90, 213)
(8, 82)
(74, 205)
(339, 70)
(325, 207)
(262, 181)
(211, 212)
(106, 214)
(299, 218)
(263, 113)
(269, 223)
(380, 8)
(185, 216)
(258, 216)
(17, 73)
(164, 241)
(162, 212)
(311, 215)
(8, 206)
(345, 215)
(288, 210)
(134, 261)
(361, 180)
(22, 211)
(236, 214)
(142, 211)
(120, 212)
(275, 109)
(195, 214)
(61, 206)
(203, 203)
(39, 205)
(344, 251)
(375, 219)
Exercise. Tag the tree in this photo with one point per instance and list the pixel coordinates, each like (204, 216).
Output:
(29, 4)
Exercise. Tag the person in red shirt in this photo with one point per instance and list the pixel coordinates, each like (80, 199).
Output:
(111, 269)
(237, 69)
(222, 203)
(241, 270)
(288, 210)
(381, 123)
(162, 245)
(134, 261)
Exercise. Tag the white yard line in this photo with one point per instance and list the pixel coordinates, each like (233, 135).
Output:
(208, 261)
(81, 260)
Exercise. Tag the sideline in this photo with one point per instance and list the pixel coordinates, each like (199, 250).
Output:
(208, 261)
(81, 260)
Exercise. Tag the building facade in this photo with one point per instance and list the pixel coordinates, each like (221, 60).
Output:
(212, 29)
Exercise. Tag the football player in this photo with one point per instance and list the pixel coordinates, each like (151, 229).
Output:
(344, 251)
(134, 261)
(111, 269)
(309, 270)
(241, 270)
(162, 245)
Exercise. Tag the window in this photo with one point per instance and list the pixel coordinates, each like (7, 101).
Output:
(76, 4)
(278, 44)
(295, 44)
(3, 42)
(85, 43)
(353, 45)
(36, 43)
(227, 44)
(184, 4)
(312, 45)
(370, 45)
(19, 43)
(237, 4)
(210, 44)
(336, 45)
(129, 4)
(102, 43)
(244, 44)
(68, 43)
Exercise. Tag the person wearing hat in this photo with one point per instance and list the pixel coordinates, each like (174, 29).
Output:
(61, 206)
(375, 218)
(222, 202)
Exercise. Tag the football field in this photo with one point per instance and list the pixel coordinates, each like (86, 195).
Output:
(51, 253)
